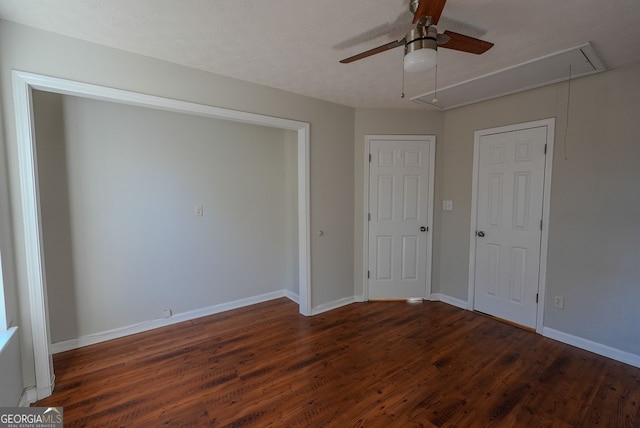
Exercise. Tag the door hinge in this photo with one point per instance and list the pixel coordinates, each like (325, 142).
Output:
(540, 224)
(368, 274)
(545, 149)
(370, 157)
(369, 216)
(537, 297)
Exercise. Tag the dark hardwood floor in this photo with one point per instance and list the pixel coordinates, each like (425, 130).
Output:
(379, 364)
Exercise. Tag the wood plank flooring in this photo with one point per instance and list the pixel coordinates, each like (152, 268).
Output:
(377, 364)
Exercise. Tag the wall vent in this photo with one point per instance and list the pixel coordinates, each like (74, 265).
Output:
(539, 72)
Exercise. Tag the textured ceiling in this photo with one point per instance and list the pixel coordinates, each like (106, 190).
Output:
(295, 45)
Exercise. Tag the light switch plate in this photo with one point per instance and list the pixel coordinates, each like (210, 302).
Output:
(198, 210)
(558, 302)
(447, 205)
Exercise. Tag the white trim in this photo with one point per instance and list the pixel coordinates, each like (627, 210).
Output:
(546, 212)
(103, 93)
(292, 296)
(439, 297)
(304, 219)
(329, 306)
(23, 84)
(116, 333)
(474, 218)
(25, 135)
(431, 140)
(365, 220)
(28, 397)
(546, 208)
(359, 298)
(430, 205)
(595, 347)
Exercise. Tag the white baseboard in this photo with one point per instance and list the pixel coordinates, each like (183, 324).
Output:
(569, 339)
(332, 305)
(595, 347)
(28, 397)
(439, 297)
(67, 345)
(292, 296)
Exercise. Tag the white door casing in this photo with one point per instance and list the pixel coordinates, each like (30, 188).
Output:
(23, 84)
(399, 216)
(510, 210)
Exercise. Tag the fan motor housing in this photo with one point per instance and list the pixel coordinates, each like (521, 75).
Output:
(421, 38)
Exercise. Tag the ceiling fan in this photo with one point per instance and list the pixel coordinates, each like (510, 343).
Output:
(422, 41)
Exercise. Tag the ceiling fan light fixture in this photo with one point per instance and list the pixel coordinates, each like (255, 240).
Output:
(421, 60)
(421, 49)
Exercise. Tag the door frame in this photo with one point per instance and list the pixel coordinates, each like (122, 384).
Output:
(23, 85)
(546, 208)
(431, 139)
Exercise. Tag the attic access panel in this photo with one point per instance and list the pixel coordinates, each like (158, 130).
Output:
(539, 72)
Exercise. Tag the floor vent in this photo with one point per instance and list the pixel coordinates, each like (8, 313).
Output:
(539, 72)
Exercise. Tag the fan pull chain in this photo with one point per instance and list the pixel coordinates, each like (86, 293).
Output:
(402, 94)
(566, 129)
(435, 87)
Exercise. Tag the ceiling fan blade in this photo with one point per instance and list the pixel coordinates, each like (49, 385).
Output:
(432, 8)
(460, 42)
(374, 51)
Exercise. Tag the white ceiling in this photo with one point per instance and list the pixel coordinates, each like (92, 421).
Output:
(295, 45)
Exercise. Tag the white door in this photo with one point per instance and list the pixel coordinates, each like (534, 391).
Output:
(510, 191)
(399, 217)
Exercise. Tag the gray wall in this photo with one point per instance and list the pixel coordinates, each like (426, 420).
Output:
(331, 151)
(594, 230)
(10, 368)
(118, 187)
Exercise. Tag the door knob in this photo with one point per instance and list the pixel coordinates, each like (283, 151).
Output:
(423, 229)
(480, 234)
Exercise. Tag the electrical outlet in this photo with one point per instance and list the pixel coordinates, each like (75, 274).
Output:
(198, 210)
(166, 313)
(558, 302)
